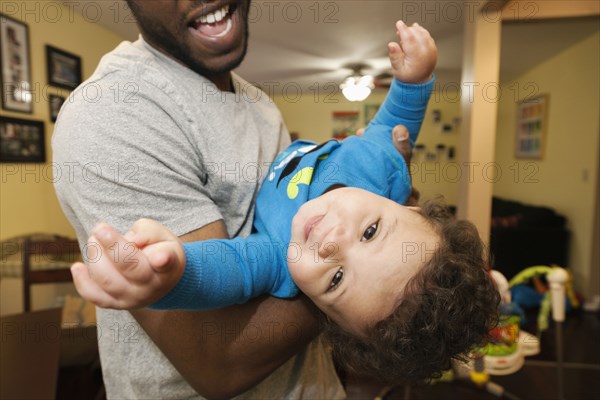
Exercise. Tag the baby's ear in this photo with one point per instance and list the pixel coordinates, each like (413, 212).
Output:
(415, 209)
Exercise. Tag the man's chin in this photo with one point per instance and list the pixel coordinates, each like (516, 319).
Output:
(219, 67)
(216, 64)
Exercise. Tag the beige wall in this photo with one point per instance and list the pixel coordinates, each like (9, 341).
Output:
(27, 199)
(566, 176)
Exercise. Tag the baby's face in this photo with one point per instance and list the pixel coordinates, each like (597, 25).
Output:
(352, 253)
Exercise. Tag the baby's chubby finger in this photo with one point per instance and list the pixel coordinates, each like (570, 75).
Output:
(88, 288)
(394, 50)
(113, 246)
(146, 231)
(405, 34)
(166, 257)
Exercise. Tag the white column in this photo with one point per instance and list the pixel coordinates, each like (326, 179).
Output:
(480, 91)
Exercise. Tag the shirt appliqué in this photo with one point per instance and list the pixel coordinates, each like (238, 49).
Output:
(302, 177)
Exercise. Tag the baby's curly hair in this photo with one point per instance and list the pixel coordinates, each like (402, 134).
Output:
(444, 311)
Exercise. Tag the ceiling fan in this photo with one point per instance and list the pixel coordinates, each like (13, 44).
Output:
(358, 86)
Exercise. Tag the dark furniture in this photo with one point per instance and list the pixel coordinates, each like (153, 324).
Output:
(54, 255)
(524, 235)
(65, 355)
(30, 355)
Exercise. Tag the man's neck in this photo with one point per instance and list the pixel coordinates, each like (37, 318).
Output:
(223, 81)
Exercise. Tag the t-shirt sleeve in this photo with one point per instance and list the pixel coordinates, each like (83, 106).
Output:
(220, 273)
(124, 158)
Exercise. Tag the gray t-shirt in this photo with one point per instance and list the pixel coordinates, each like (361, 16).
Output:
(145, 136)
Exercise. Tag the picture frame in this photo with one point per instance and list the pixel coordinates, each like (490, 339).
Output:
(55, 102)
(22, 141)
(15, 64)
(532, 124)
(345, 123)
(64, 68)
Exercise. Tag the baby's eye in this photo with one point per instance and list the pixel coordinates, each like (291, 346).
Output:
(337, 278)
(369, 232)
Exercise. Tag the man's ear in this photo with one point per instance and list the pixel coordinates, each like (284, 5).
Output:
(415, 209)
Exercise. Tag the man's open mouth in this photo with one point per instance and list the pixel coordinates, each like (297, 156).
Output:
(216, 23)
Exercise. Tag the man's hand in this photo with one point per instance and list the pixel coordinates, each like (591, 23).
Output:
(401, 140)
(414, 57)
(131, 271)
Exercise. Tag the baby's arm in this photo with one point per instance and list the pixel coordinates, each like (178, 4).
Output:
(223, 272)
(413, 59)
(130, 271)
(149, 266)
(372, 161)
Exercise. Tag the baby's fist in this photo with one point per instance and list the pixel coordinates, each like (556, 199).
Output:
(414, 57)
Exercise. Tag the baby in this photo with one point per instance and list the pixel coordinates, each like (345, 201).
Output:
(404, 290)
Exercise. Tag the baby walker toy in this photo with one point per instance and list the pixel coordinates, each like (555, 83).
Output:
(506, 352)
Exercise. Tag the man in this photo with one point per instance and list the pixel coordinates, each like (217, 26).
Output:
(170, 106)
(164, 122)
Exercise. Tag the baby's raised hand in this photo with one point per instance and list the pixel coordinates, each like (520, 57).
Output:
(414, 57)
(130, 271)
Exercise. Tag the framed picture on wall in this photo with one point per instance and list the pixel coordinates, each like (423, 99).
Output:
(55, 103)
(22, 141)
(15, 65)
(532, 123)
(345, 123)
(64, 68)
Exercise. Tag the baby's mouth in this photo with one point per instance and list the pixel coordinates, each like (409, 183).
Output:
(310, 224)
(215, 24)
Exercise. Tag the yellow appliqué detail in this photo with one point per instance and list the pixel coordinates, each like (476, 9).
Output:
(302, 177)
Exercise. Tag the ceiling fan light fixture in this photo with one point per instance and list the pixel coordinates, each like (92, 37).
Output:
(357, 87)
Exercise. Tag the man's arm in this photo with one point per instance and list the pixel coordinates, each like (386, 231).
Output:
(215, 350)
(211, 349)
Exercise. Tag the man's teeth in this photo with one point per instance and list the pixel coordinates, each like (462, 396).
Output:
(215, 16)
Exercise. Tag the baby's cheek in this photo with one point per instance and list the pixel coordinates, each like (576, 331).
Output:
(295, 269)
(300, 272)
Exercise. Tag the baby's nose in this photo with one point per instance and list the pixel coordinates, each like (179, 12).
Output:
(333, 243)
(328, 250)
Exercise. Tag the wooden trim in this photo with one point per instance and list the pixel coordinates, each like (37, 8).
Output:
(61, 246)
(528, 10)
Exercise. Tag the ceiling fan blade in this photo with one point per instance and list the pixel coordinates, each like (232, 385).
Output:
(303, 72)
(383, 79)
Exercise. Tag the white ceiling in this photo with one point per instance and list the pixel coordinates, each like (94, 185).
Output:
(308, 42)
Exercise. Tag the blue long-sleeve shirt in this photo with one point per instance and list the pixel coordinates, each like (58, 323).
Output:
(220, 273)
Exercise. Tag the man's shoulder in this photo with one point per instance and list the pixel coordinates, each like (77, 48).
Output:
(250, 93)
(129, 80)
(128, 63)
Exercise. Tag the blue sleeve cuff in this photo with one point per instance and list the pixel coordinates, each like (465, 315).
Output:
(413, 93)
(181, 296)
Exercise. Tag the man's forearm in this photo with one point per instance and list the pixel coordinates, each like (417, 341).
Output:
(222, 353)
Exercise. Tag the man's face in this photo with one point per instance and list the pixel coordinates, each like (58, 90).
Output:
(210, 37)
(352, 252)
